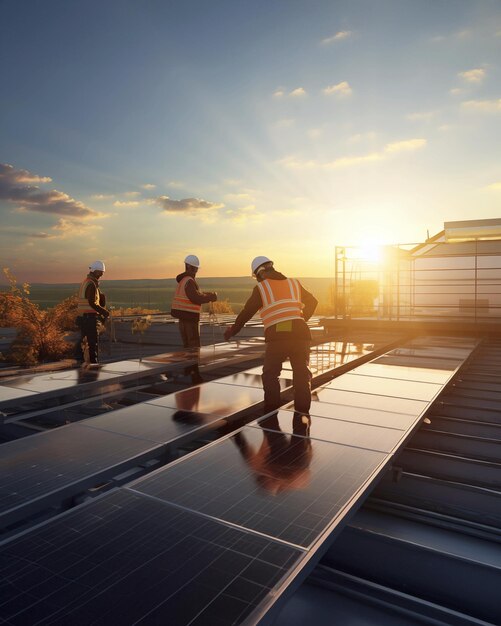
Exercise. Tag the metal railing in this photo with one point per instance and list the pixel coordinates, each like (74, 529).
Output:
(441, 281)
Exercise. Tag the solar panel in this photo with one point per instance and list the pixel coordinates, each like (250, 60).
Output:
(367, 400)
(213, 398)
(126, 559)
(385, 387)
(36, 466)
(418, 361)
(154, 423)
(335, 431)
(11, 393)
(284, 486)
(247, 379)
(213, 537)
(360, 415)
(401, 372)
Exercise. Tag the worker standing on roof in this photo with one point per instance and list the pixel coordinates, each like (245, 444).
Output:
(284, 306)
(186, 306)
(91, 312)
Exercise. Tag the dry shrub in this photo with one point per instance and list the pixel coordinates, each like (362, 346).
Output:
(137, 310)
(40, 334)
(222, 306)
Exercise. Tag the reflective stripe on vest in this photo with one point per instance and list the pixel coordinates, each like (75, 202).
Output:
(181, 302)
(281, 301)
(83, 305)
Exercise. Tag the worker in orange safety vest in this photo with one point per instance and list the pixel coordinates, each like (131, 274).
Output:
(90, 312)
(186, 307)
(284, 306)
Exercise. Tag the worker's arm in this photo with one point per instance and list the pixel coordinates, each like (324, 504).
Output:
(310, 303)
(90, 296)
(251, 307)
(199, 297)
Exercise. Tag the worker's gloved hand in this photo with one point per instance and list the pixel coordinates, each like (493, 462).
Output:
(213, 296)
(228, 333)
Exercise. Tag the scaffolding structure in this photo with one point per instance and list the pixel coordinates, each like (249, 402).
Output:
(454, 275)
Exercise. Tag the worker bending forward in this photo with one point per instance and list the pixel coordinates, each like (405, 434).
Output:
(90, 311)
(284, 306)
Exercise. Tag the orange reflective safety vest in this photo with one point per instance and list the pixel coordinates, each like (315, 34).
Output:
(83, 305)
(181, 301)
(281, 301)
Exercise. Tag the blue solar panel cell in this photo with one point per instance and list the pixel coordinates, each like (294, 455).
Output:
(397, 372)
(284, 486)
(336, 431)
(367, 400)
(360, 415)
(35, 466)
(213, 398)
(155, 423)
(127, 559)
(386, 387)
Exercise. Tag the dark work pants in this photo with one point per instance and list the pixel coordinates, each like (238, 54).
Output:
(190, 334)
(298, 352)
(88, 330)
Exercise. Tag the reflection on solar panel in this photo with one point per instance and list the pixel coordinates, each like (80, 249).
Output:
(86, 566)
(284, 486)
(82, 381)
(386, 387)
(50, 465)
(217, 535)
(214, 398)
(380, 438)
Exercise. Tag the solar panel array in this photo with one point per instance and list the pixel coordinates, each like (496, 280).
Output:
(81, 381)
(38, 471)
(215, 537)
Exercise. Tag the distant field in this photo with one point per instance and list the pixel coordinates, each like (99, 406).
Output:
(157, 294)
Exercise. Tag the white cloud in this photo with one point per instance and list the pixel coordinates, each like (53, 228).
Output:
(279, 93)
(148, 186)
(238, 197)
(67, 228)
(131, 194)
(455, 91)
(299, 92)
(16, 187)
(356, 160)
(188, 206)
(176, 184)
(119, 203)
(341, 89)
(405, 146)
(339, 36)
(389, 150)
(475, 76)
(102, 196)
(494, 187)
(482, 106)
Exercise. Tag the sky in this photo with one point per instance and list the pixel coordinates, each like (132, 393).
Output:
(140, 131)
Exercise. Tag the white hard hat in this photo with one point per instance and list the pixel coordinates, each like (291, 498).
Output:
(258, 261)
(97, 265)
(193, 260)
